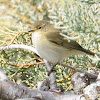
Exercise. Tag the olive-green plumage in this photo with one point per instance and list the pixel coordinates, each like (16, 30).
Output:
(51, 45)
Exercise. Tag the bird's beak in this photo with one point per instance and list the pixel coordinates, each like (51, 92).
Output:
(31, 30)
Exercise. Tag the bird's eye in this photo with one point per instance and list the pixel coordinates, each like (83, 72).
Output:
(39, 27)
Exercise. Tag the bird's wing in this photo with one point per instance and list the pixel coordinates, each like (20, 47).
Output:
(58, 39)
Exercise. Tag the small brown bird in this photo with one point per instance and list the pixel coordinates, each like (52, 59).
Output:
(51, 45)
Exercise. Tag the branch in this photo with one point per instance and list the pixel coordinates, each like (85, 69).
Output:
(53, 83)
(82, 71)
(19, 46)
(12, 91)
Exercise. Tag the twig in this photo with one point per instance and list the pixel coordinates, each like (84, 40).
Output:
(28, 64)
(18, 34)
(65, 78)
(69, 76)
(22, 65)
(82, 71)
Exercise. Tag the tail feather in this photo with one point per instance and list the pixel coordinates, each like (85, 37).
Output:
(88, 52)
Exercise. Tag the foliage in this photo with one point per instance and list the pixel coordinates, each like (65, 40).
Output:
(78, 19)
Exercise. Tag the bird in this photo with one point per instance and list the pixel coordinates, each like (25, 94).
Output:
(52, 45)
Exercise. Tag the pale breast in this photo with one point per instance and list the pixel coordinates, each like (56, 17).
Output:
(48, 50)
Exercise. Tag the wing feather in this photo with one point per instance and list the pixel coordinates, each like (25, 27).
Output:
(56, 38)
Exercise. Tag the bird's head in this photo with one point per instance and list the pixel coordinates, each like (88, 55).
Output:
(41, 26)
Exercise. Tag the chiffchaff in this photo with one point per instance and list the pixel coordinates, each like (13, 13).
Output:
(51, 45)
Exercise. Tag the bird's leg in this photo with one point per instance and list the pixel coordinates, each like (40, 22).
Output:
(52, 69)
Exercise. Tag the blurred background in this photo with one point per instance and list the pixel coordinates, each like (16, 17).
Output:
(78, 19)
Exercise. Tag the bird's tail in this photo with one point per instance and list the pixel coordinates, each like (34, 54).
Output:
(88, 52)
